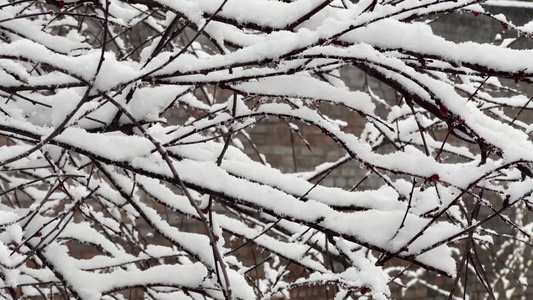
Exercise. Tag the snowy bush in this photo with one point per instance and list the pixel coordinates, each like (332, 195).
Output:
(96, 164)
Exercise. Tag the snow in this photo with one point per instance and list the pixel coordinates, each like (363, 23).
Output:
(262, 12)
(114, 146)
(310, 88)
(92, 286)
(507, 3)
(418, 38)
(31, 30)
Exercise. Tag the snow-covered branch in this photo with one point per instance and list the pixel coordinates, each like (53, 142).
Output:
(123, 173)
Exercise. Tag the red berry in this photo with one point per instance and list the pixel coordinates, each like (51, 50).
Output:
(476, 13)
(362, 114)
(434, 177)
(245, 94)
(405, 249)
(61, 4)
(216, 238)
(444, 110)
(505, 26)
(39, 234)
(364, 290)
(519, 78)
